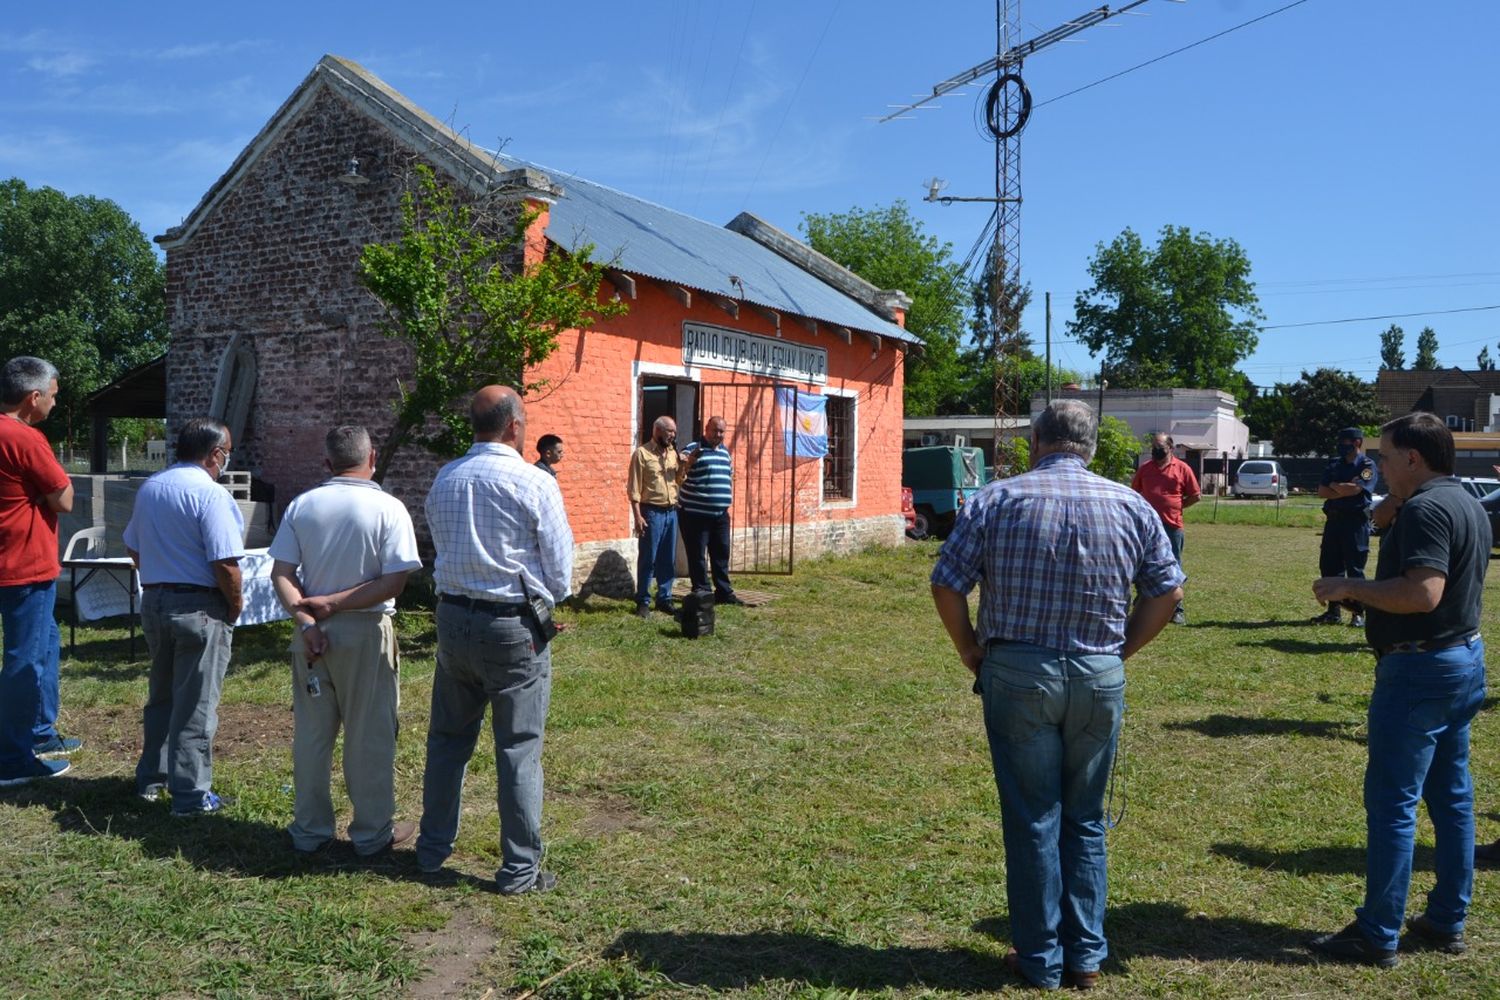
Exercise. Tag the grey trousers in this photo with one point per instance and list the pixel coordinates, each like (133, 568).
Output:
(189, 637)
(487, 662)
(358, 687)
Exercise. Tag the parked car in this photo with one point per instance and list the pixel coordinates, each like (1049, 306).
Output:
(1491, 504)
(916, 524)
(941, 479)
(1260, 478)
(1479, 486)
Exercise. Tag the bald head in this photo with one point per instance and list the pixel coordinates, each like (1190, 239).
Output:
(497, 414)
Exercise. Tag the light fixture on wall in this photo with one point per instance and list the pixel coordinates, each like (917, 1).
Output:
(351, 175)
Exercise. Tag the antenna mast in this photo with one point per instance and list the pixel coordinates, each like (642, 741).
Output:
(1007, 108)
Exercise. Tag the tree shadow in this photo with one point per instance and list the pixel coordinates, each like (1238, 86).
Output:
(1245, 625)
(1326, 860)
(746, 960)
(1308, 646)
(1220, 726)
(221, 842)
(1168, 930)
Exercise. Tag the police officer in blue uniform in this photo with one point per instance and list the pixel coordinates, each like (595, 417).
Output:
(1347, 483)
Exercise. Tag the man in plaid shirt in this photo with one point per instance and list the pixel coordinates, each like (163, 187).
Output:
(501, 536)
(1056, 551)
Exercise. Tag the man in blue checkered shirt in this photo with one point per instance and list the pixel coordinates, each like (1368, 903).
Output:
(1056, 552)
(501, 536)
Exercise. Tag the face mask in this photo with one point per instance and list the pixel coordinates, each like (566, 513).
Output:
(1158, 453)
(1346, 448)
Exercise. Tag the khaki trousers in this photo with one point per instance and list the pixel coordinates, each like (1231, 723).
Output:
(358, 686)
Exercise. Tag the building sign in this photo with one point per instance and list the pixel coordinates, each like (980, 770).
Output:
(716, 347)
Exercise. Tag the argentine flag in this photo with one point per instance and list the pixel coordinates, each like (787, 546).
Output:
(806, 429)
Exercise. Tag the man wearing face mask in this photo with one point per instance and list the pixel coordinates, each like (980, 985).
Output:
(1347, 484)
(652, 487)
(1169, 486)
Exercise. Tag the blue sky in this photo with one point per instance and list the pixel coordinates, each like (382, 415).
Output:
(1343, 145)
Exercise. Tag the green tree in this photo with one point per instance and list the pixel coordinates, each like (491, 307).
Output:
(1322, 403)
(1026, 374)
(1266, 413)
(1427, 348)
(1392, 353)
(455, 286)
(1119, 450)
(80, 286)
(1485, 363)
(888, 248)
(1182, 313)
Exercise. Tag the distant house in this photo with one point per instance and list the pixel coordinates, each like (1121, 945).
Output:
(720, 318)
(1466, 400)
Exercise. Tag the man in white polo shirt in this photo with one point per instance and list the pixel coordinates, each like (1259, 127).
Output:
(342, 554)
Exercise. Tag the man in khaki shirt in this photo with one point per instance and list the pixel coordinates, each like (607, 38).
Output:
(652, 487)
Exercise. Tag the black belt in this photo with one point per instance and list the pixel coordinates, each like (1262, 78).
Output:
(1426, 646)
(497, 608)
(658, 506)
(181, 588)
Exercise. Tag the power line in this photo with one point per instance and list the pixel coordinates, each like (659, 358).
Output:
(1395, 277)
(713, 146)
(1366, 319)
(1165, 55)
(793, 100)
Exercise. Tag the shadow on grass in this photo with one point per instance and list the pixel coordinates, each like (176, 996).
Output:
(1239, 725)
(1310, 647)
(1330, 860)
(747, 960)
(222, 842)
(1167, 930)
(1248, 625)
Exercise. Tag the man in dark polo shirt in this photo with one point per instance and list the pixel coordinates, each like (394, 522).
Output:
(1422, 618)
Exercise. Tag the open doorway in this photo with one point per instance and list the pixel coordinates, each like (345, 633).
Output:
(675, 398)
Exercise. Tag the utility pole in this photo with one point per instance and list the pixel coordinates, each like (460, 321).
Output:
(1007, 108)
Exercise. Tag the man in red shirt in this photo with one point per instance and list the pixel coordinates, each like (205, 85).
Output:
(1168, 484)
(33, 490)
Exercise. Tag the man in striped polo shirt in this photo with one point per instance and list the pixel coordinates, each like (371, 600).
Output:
(705, 476)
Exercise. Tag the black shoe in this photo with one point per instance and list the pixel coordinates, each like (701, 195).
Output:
(730, 598)
(1351, 945)
(1424, 936)
(666, 607)
(544, 882)
(643, 611)
(1329, 617)
(1487, 855)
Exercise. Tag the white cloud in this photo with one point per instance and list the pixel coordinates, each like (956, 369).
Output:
(60, 63)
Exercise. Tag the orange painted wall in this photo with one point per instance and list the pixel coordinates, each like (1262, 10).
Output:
(591, 403)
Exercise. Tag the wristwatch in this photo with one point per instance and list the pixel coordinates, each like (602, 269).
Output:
(312, 624)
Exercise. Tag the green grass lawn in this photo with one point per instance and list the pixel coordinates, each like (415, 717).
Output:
(800, 805)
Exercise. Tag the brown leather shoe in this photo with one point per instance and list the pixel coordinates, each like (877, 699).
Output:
(1080, 980)
(402, 833)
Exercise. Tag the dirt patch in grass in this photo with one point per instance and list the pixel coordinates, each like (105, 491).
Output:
(244, 729)
(451, 954)
(603, 814)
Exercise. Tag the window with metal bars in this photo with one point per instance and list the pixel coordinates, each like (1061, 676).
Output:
(838, 464)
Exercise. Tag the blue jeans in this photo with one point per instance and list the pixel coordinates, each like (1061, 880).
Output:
(1175, 536)
(656, 555)
(28, 673)
(487, 661)
(190, 637)
(1053, 720)
(1419, 749)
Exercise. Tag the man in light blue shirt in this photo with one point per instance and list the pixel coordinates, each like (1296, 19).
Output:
(501, 536)
(186, 536)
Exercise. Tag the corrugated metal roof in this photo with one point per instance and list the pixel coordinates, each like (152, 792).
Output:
(647, 239)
